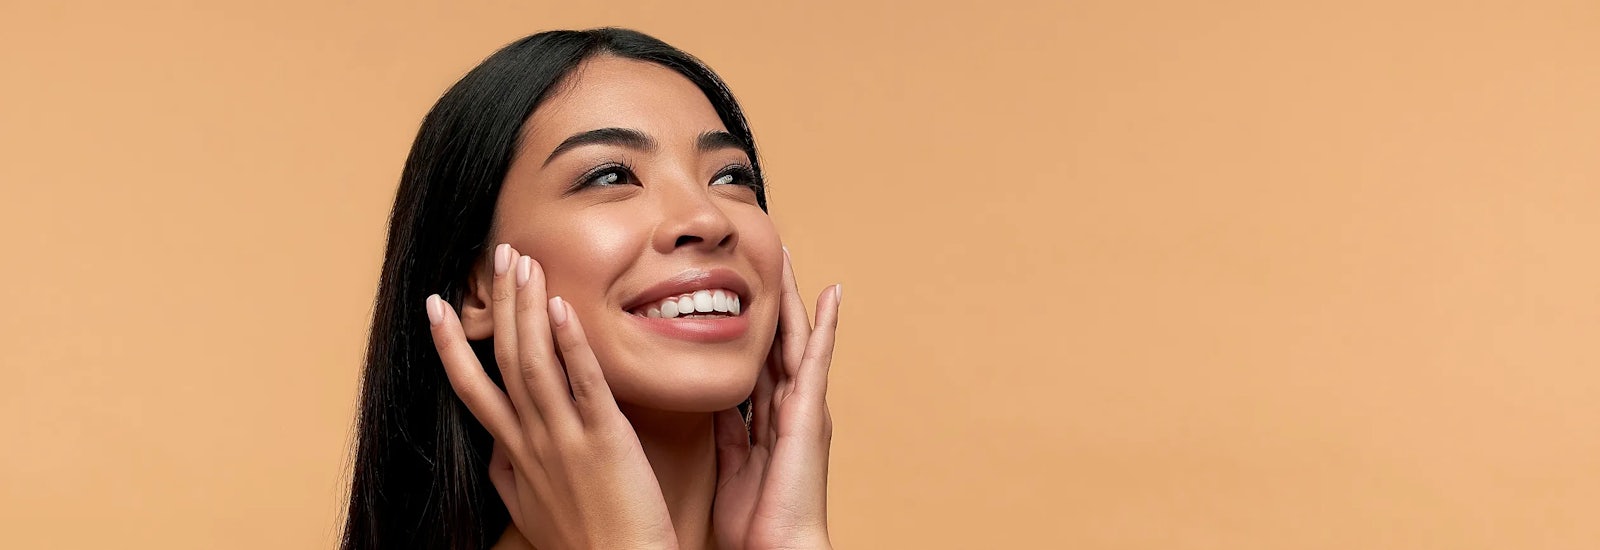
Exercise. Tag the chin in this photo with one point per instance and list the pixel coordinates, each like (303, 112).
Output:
(679, 371)
(686, 384)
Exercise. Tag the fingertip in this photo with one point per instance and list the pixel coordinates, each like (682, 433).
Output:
(435, 307)
(502, 259)
(524, 270)
(538, 268)
(830, 297)
(558, 311)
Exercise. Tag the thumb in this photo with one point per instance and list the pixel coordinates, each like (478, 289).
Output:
(733, 443)
(504, 479)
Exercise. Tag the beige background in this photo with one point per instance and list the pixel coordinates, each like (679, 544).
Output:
(1141, 275)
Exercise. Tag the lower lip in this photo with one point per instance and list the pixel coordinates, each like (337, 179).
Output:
(705, 330)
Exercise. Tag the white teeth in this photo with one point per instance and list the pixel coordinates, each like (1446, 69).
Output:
(700, 301)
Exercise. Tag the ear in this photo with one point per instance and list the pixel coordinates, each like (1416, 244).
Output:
(477, 306)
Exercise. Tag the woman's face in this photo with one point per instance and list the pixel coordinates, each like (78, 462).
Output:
(629, 192)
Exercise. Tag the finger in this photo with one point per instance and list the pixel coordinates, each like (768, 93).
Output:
(467, 377)
(812, 384)
(794, 325)
(504, 479)
(590, 394)
(761, 402)
(541, 372)
(733, 443)
(505, 334)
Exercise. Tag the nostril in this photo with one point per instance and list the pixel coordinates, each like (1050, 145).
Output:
(686, 239)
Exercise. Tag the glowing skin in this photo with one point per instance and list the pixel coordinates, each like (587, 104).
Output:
(602, 246)
(635, 294)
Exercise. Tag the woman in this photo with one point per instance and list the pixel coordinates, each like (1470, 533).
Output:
(587, 332)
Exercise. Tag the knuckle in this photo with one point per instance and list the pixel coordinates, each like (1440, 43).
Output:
(525, 303)
(529, 367)
(571, 344)
(827, 322)
(587, 388)
(503, 292)
(443, 343)
(568, 438)
(813, 354)
(505, 356)
(582, 388)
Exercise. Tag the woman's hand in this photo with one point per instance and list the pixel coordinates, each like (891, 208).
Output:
(773, 492)
(567, 463)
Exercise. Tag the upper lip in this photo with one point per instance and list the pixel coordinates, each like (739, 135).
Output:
(690, 280)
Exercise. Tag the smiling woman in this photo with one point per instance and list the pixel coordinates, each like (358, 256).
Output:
(587, 333)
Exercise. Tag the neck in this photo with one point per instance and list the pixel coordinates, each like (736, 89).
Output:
(682, 449)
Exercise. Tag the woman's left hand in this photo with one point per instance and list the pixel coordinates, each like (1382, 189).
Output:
(772, 477)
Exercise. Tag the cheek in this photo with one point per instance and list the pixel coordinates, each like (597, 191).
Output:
(764, 250)
(582, 257)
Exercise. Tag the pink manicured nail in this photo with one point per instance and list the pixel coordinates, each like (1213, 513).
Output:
(435, 309)
(524, 268)
(502, 259)
(558, 311)
(838, 292)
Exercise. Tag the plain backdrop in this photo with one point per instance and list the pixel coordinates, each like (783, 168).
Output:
(1133, 275)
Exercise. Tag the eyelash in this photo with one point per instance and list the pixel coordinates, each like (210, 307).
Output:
(588, 179)
(742, 175)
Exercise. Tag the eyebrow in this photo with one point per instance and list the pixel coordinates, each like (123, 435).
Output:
(633, 139)
(622, 137)
(718, 139)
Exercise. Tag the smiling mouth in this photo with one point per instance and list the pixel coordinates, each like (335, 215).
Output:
(711, 303)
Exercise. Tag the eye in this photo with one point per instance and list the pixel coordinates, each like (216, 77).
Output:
(607, 175)
(737, 174)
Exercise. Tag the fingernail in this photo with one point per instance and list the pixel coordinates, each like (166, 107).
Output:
(524, 268)
(502, 259)
(785, 251)
(558, 311)
(838, 292)
(435, 309)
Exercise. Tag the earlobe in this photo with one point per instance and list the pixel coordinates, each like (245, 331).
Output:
(477, 313)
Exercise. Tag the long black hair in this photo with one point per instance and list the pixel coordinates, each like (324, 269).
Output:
(421, 460)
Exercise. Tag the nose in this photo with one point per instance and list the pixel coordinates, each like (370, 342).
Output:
(692, 219)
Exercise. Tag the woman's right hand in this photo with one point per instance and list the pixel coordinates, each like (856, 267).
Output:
(567, 463)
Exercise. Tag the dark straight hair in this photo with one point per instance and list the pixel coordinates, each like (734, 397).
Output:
(421, 460)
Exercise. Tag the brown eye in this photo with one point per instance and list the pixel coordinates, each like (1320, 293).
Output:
(737, 174)
(609, 175)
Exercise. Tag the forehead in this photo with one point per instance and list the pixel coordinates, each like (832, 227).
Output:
(613, 92)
